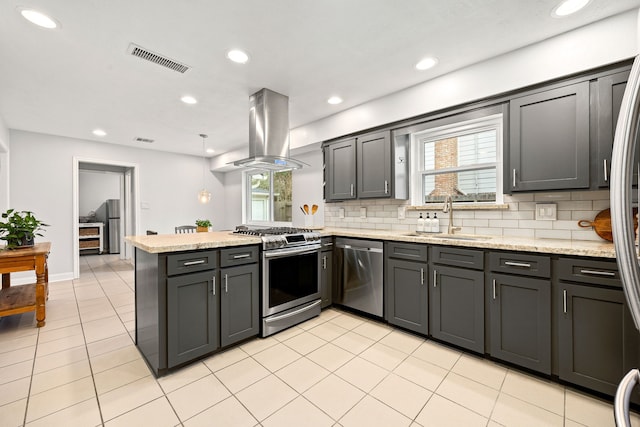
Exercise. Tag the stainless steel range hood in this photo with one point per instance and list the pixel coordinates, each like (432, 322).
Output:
(269, 133)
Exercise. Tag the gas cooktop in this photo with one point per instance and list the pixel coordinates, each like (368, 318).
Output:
(280, 237)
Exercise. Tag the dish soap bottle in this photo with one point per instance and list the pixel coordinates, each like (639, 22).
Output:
(435, 223)
(421, 224)
(427, 224)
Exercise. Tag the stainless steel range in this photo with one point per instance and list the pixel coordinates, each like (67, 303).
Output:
(291, 268)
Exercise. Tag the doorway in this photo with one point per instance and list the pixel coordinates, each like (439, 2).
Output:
(104, 195)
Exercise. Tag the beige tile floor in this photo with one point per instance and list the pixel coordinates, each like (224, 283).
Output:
(82, 369)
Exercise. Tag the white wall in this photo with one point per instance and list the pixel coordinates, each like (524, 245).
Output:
(4, 166)
(307, 188)
(95, 187)
(41, 181)
(598, 44)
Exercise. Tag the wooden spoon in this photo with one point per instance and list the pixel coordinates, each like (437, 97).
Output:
(314, 209)
(306, 209)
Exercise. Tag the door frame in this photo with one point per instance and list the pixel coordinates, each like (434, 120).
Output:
(130, 204)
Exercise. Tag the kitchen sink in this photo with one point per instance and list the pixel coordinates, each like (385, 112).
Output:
(448, 236)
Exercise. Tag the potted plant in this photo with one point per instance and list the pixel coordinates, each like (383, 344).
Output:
(18, 228)
(203, 225)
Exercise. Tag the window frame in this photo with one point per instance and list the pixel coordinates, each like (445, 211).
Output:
(247, 200)
(438, 131)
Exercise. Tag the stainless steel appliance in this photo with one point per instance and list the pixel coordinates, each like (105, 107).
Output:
(621, 194)
(359, 282)
(113, 225)
(291, 268)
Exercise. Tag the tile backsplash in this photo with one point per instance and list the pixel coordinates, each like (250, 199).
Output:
(518, 220)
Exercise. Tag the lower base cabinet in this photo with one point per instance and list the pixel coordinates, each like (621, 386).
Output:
(326, 272)
(192, 317)
(239, 303)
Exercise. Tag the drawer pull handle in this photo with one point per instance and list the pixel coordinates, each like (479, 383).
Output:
(422, 276)
(226, 280)
(493, 282)
(435, 278)
(564, 301)
(598, 273)
(241, 256)
(190, 263)
(517, 264)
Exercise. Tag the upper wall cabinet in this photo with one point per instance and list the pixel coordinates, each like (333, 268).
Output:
(549, 140)
(608, 99)
(365, 167)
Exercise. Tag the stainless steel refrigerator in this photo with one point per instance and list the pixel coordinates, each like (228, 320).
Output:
(621, 198)
(113, 225)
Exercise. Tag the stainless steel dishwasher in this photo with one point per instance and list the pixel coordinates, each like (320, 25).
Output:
(359, 275)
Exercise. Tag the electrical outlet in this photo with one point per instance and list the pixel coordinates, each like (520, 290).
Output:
(363, 212)
(546, 211)
(401, 212)
(341, 213)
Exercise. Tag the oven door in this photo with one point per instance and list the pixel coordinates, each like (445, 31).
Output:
(290, 277)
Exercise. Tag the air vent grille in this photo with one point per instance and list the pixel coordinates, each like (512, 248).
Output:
(143, 53)
(147, 140)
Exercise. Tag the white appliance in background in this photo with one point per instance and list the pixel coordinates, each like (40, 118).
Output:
(622, 167)
(113, 225)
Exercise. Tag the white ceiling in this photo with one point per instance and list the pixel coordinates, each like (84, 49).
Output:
(80, 77)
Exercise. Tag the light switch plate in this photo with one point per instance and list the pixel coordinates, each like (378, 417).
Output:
(341, 213)
(546, 211)
(401, 212)
(363, 212)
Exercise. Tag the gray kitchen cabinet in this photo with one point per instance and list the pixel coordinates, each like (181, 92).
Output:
(610, 90)
(456, 297)
(373, 165)
(340, 170)
(406, 286)
(519, 315)
(549, 140)
(326, 273)
(239, 294)
(192, 317)
(597, 340)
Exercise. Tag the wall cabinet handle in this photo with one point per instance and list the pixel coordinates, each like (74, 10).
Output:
(598, 273)
(422, 276)
(514, 178)
(386, 187)
(606, 172)
(352, 190)
(564, 301)
(493, 282)
(435, 278)
(189, 263)
(214, 285)
(517, 264)
(226, 282)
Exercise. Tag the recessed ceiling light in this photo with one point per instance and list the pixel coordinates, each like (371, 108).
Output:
(238, 56)
(426, 63)
(187, 99)
(567, 7)
(38, 18)
(99, 132)
(334, 100)
(210, 150)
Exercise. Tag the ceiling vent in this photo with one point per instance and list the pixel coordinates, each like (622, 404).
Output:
(143, 53)
(147, 140)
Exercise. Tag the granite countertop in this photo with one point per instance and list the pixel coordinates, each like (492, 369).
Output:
(220, 239)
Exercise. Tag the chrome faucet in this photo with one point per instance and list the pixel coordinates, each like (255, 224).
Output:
(448, 207)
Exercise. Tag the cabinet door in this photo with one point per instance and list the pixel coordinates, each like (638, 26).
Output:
(549, 140)
(326, 278)
(374, 165)
(192, 317)
(597, 339)
(340, 170)
(520, 319)
(610, 91)
(239, 303)
(456, 307)
(406, 293)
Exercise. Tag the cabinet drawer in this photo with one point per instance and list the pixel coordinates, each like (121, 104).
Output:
(586, 270)
(189, 262)
(468, 258)
(238, 256)
(410, 252)
(89, 231)
(520, 264)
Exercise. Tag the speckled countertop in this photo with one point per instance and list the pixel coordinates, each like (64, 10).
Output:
(220, 239)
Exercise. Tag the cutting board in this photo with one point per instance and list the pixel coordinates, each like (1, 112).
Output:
(602, 223)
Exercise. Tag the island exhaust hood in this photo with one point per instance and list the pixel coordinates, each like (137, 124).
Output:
(269, 133)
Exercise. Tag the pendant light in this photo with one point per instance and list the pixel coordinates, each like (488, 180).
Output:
(204, 195)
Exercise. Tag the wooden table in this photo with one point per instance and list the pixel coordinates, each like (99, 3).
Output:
(23, 298)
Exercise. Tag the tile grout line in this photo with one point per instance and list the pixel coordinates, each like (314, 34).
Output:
(33, 367)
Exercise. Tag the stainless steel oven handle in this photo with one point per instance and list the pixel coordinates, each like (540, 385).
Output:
(288, 252)
(293, 313)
